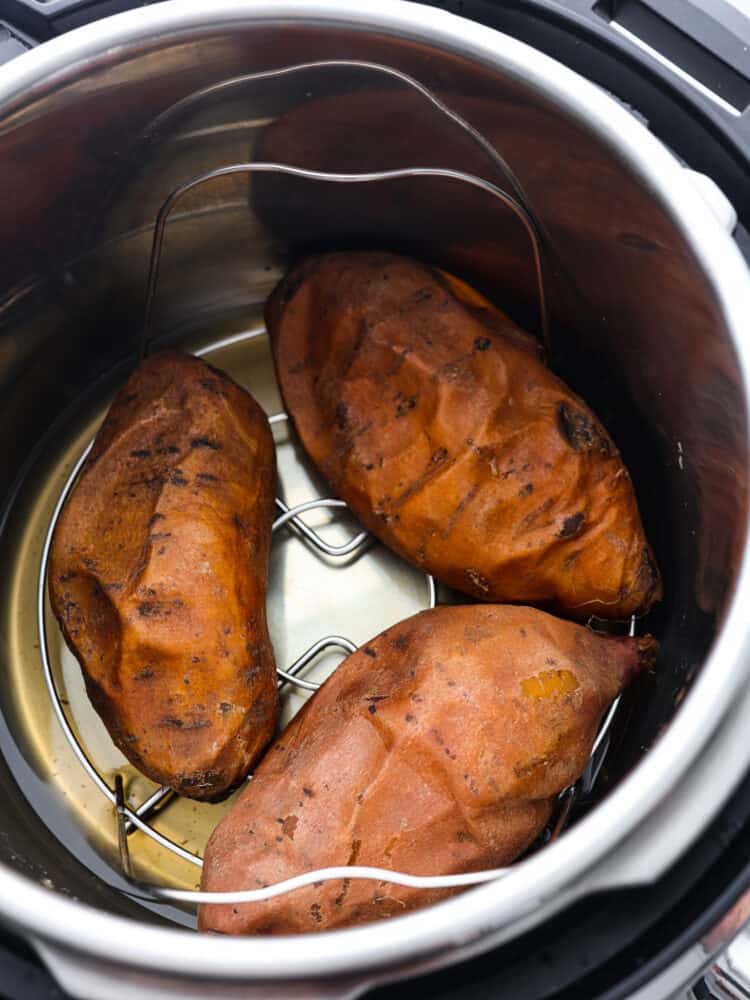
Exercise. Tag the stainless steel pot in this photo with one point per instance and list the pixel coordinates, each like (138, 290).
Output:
(648, 297)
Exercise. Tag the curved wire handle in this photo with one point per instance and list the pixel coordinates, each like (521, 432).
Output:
(396, 74)
(378, 176)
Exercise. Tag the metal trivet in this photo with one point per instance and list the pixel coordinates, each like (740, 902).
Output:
(130, 819)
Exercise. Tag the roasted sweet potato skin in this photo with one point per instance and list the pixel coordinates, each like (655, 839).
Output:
(158, 574)
(438, 747)
(431, 415)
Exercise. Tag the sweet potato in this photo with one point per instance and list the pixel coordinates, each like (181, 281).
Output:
(158, 575)
(439, 747)
(428, 412)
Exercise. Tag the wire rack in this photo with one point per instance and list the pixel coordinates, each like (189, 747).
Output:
(290, 519)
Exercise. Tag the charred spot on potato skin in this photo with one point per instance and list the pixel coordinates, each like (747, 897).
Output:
(213, 385)
(169, 449)
(145, 674)
(152, 481)
(206, 477)
(580, 431)
(225, 707)
(315, 913)
(197, 724)
(372, 709)
(572, 525)
(67, 576)
(404, 405)
(400, 642)
(153, 609)
(140, 453)
(525, 490)
(482, 343)
(203, 442)
(341, 416)
(471, 784)
(170, 722)
(241, 526)
(369, 651)
(308, 792)
(339, 901)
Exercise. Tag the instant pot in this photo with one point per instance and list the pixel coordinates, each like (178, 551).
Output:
(623, 130)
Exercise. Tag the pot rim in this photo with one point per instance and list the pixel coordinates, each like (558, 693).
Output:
(552, 877)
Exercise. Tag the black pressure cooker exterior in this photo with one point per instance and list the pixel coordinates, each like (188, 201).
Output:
(619, 943)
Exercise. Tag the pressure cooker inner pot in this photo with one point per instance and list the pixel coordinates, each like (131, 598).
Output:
(88, 160)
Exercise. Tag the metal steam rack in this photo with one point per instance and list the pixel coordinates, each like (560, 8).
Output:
(129, 819)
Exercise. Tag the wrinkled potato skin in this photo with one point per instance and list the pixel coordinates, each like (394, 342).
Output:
(433, 418)
(438, 747)
(158, 575)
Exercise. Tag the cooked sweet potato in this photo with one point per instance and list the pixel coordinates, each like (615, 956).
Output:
(439, 747)
(427, 411)
(158, 575)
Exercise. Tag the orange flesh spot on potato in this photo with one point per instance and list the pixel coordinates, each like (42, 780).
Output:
(549, 683)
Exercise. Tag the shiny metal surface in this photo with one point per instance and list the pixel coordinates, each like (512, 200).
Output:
(648, 312)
